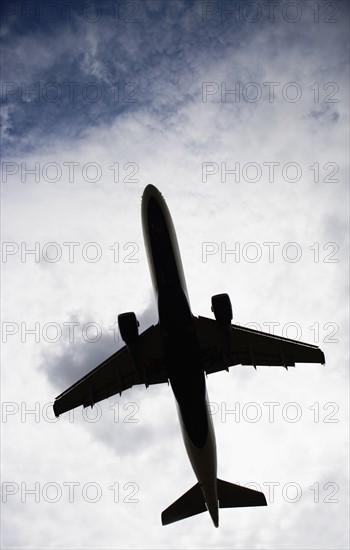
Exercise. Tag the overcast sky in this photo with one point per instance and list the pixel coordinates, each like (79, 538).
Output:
(238, 113)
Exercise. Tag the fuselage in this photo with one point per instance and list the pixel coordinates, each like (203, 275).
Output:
(181, 349)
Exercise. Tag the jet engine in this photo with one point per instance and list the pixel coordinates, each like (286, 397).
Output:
(222, 309)
(128, 327)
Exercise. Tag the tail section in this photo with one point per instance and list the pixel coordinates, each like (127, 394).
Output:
(190, 504)
(235, 496)
(229, 496)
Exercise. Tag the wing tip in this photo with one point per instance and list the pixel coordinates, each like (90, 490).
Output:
(55, 409)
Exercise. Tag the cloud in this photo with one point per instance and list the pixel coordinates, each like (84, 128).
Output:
(162, 70)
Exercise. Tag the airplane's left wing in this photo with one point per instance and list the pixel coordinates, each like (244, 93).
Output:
(222, 348)
(120, 371)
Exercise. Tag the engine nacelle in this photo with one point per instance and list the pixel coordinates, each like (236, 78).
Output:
(128, 327)
(222, 309)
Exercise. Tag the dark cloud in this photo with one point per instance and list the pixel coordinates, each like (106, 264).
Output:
(83, 73)
(325, 115)
(75, 359)
(119, 422)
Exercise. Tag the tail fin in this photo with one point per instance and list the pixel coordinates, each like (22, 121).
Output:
(229, 496)
(234, 496)
(190, 504)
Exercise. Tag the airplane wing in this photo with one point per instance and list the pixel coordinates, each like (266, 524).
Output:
(236, 345)
(120, 371)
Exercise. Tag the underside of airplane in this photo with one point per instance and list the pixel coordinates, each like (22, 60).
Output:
(156, 356)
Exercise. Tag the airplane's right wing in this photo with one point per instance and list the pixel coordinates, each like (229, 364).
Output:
(238, 345)
(118, 373)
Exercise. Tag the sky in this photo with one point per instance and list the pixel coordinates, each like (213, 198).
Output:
(238, 113)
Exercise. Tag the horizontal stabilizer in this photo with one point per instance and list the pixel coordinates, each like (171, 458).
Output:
(189, 504)
(234, 496)
(229, 496)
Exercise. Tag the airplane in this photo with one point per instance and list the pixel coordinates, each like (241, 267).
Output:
(182, 349)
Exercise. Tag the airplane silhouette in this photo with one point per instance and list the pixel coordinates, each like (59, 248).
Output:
(182, 349)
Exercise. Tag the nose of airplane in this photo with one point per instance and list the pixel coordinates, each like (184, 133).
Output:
(150, 191)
